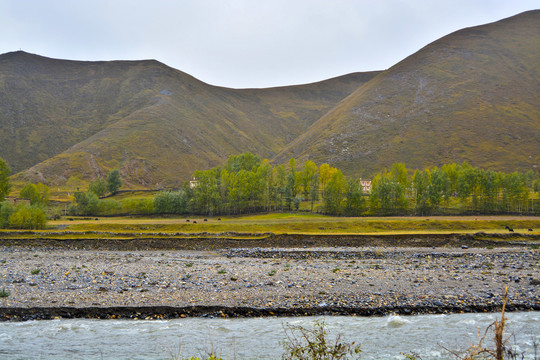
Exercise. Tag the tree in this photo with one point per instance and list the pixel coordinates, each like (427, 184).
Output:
(306, 176)
(387, 196)
(355, 200)
(440, 187)
(314, 190)
(114, 182)
(334, 193)
(6, 209)
(37, 194)
(246, 161)
(98, 187)
(87, 203)
(5, 185)
(421, 183)
(28, 192)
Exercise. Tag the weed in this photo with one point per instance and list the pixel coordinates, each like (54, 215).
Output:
(272, 273)
(335, 270)
(501, 351)
(189, 264)
(302, 343)
(4, 293)
(35, 271)
(221, 271)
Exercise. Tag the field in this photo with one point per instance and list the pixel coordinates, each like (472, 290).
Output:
(282, 223)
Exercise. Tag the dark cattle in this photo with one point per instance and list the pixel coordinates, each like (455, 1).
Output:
(187, 220)
(530, 229)
(194, 221)
(205, 219)
(219, 219)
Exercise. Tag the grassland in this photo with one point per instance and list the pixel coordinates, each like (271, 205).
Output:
(280, 223)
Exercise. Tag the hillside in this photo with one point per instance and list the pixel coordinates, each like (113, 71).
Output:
(473, 95)
(66, 122)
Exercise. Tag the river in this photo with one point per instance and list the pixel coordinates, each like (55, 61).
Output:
(254, 338)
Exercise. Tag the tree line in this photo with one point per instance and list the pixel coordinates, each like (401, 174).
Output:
(247, 184)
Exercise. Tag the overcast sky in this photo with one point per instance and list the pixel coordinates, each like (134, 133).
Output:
(244, 43)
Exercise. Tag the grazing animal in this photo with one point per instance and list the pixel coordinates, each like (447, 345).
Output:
(205, 219)
(187, 220)
(194, 221)
(219, 219)
(509, 228)
(530, 229)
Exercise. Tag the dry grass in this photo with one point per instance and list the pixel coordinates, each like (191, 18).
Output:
(302, 224)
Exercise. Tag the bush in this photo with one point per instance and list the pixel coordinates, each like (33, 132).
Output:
(170, 202)
(305, 344)
(6, 209)
(28, 217)
(138, 206)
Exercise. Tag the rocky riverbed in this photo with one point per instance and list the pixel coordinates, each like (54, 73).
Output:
(47, 282)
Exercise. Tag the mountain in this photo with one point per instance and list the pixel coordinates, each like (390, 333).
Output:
(473, 95)
(67, 122)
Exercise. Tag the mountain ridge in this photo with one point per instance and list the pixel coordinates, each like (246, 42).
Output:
(473, 95)
(429, 109)
(125, 114)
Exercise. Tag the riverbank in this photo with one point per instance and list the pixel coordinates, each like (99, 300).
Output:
(56, 281)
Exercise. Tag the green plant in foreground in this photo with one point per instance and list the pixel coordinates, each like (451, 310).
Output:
(35, 271)
(4, 293)
(305, 344)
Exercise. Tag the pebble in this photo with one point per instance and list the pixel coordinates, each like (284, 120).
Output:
(301, 278)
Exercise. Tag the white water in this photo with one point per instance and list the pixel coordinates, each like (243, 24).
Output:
(253, 338)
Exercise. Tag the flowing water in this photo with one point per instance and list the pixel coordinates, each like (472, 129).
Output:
(254, 338)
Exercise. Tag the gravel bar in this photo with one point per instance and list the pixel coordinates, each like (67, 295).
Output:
(49, 282)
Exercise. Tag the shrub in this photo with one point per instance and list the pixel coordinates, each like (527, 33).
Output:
(28, 217)
(4, 293)
(6, 209)
(302, 343)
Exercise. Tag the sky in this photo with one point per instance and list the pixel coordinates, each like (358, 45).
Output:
(244, 43)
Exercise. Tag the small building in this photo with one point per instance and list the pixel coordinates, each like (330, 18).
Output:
(193, 183)
(366, 186)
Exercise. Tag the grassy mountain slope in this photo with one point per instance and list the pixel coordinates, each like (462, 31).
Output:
(67, 122)
(473, 96)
